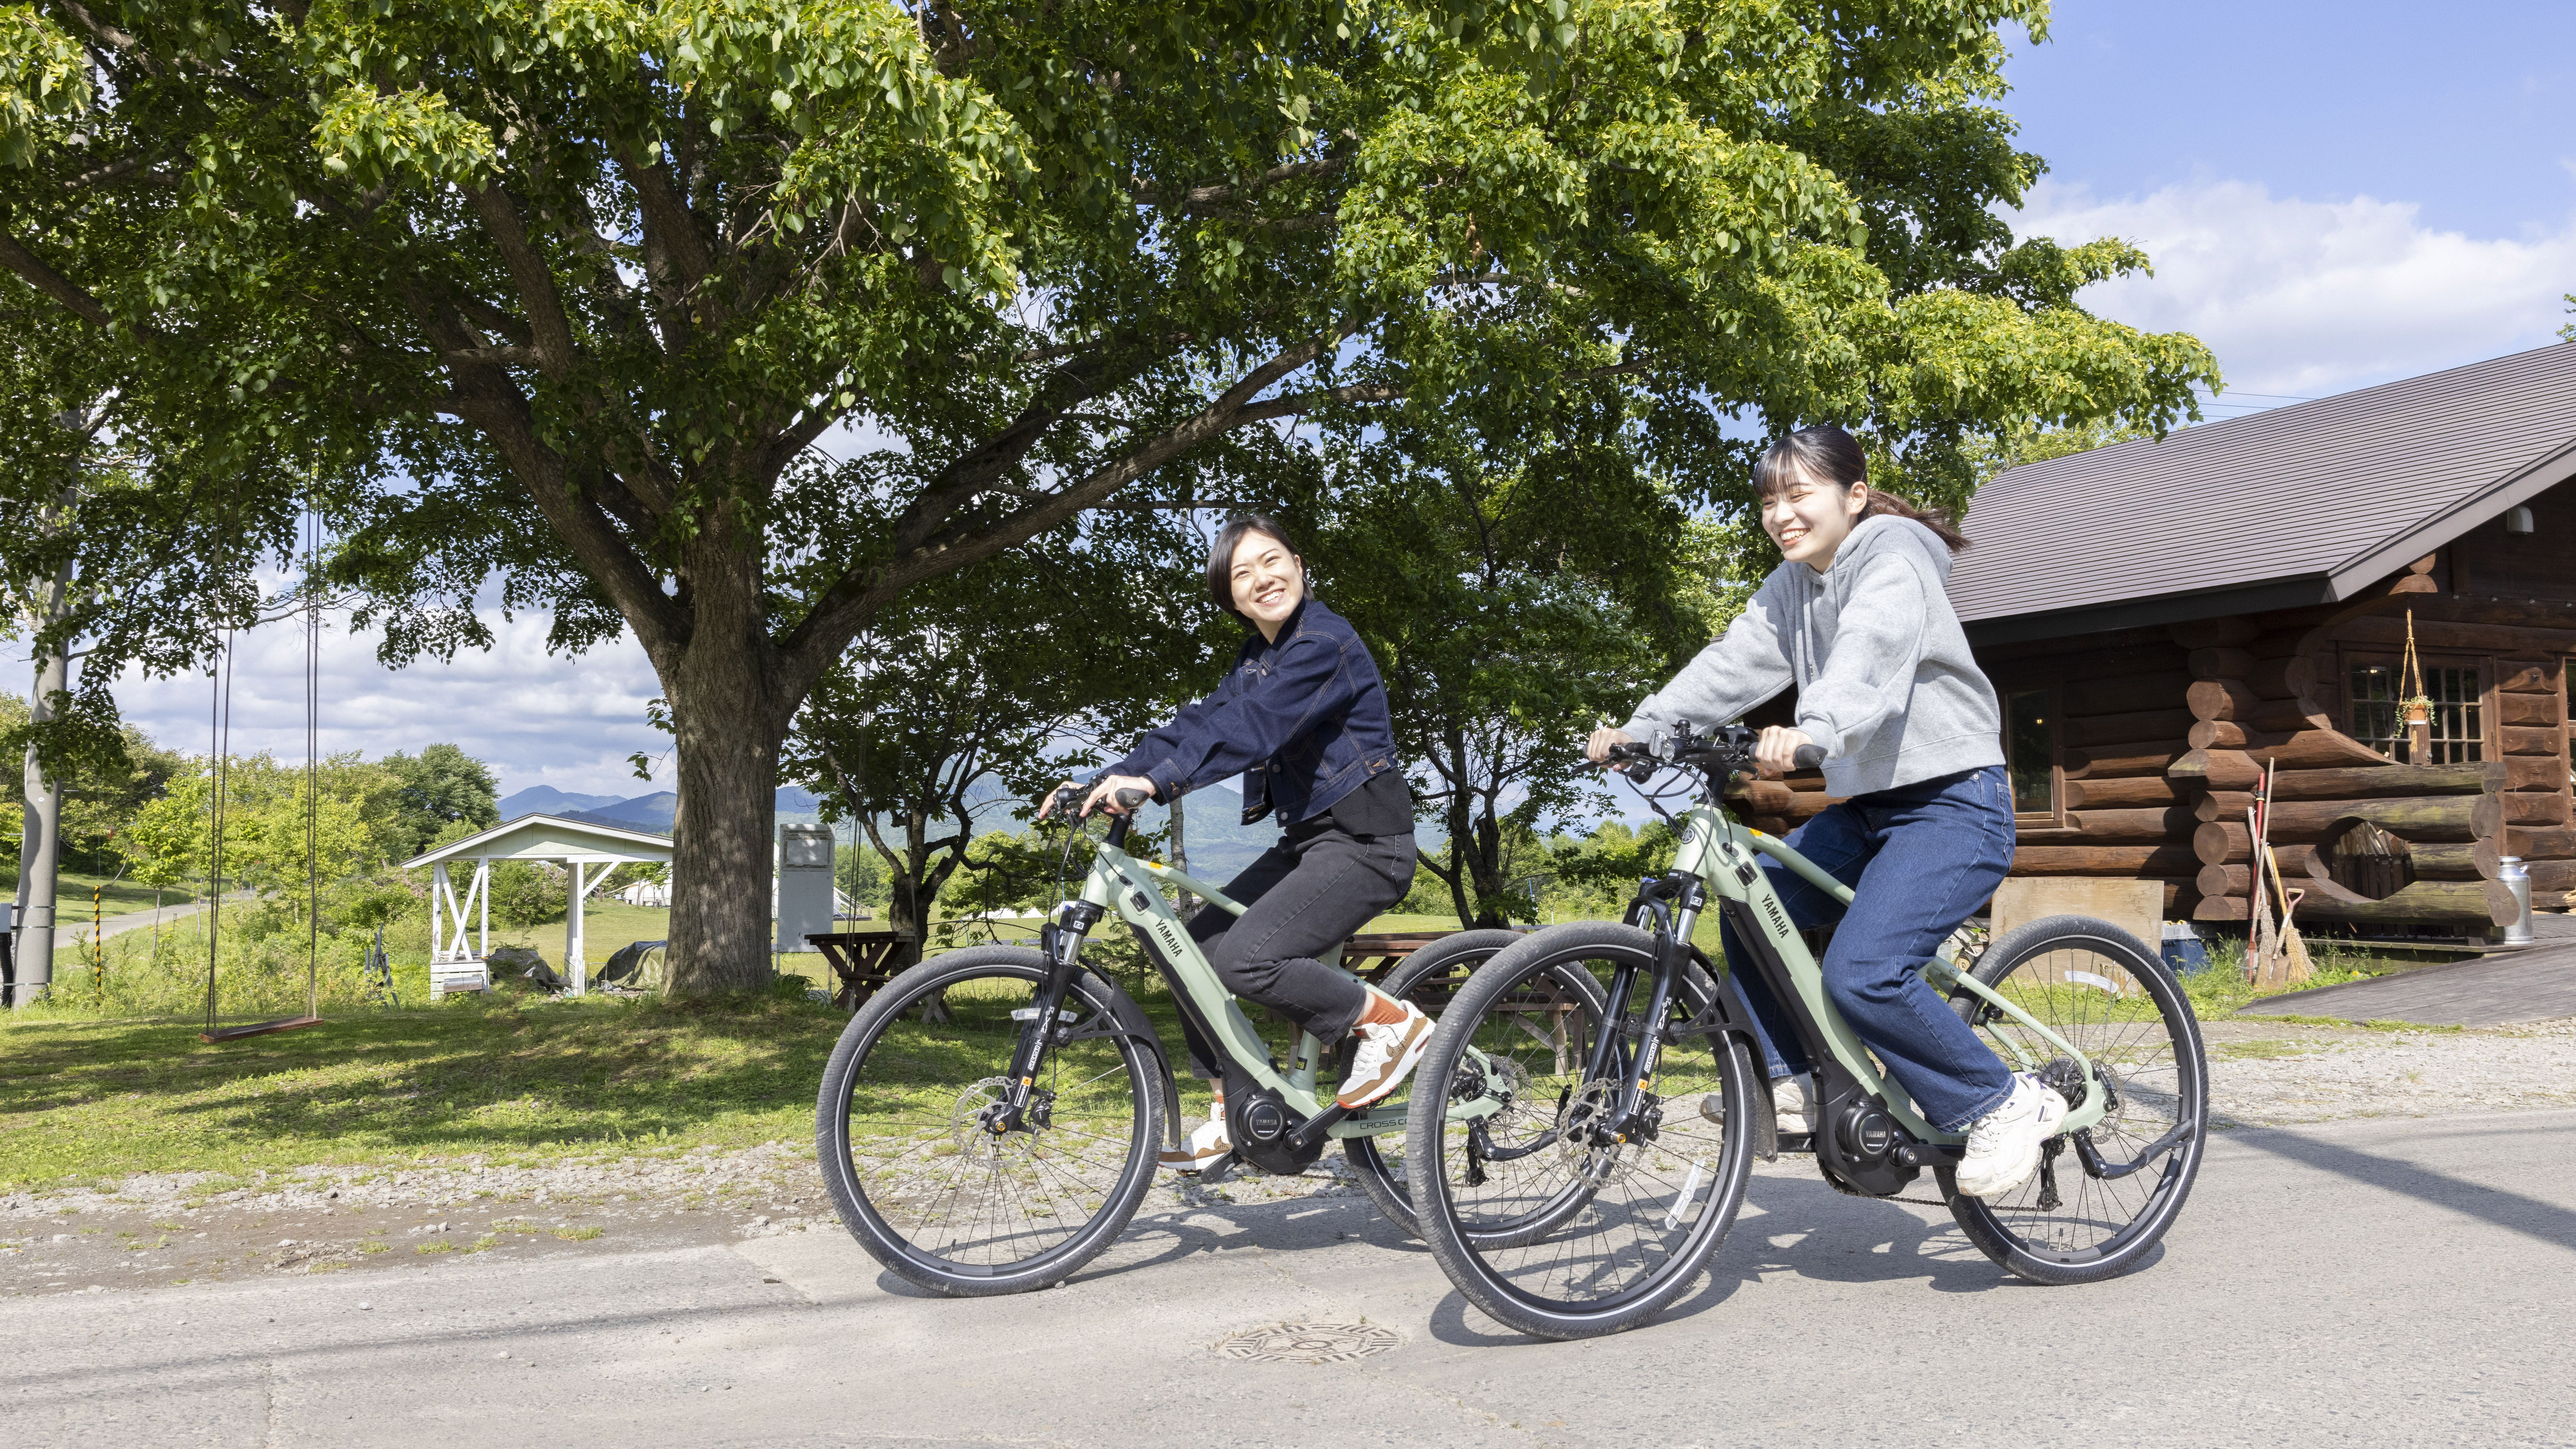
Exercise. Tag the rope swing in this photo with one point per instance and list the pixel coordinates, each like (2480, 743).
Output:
(220, 728)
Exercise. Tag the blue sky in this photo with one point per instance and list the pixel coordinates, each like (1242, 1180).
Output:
(2334, 195)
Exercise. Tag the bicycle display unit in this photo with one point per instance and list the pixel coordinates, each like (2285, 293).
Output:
(988, 1121)
(1594, 1197)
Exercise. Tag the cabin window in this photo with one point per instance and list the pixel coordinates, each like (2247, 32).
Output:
(2459, 724)
(2030, 753)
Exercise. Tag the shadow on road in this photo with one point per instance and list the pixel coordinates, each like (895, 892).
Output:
(2547, 1221)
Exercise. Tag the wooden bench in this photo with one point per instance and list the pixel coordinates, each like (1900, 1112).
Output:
(864, 960)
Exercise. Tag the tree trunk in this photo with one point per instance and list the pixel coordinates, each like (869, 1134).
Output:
(1485, 867)
(728, 724)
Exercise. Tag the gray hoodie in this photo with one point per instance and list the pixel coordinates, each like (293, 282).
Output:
(1885, 680)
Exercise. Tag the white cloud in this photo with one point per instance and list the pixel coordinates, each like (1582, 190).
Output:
(2312, 297)
(537, 719)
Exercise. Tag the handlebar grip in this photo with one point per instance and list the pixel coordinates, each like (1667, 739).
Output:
(1808, 757)
(1130, 799)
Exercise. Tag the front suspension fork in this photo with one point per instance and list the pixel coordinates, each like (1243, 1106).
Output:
(1061, 943)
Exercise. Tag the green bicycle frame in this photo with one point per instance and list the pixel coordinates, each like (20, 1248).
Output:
(1122, 885)
(1719, 850)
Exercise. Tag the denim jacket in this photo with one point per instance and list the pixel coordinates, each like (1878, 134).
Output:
(1303, 719)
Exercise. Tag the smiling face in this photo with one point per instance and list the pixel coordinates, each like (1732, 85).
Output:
(1809, 517)
(1269, 581)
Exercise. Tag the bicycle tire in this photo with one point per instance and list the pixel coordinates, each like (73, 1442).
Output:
(1430, 978)
(881, 1137)
(2148, 1047)
(1513, 1252)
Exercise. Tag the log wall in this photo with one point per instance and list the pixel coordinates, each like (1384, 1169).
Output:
(2163, 735)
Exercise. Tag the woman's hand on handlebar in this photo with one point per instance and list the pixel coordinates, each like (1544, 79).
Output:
(1104, 794)
(1597, 749)
(1776, 753)
(1064, 795)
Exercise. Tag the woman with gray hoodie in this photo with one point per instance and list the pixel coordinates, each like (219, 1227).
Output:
(1858, 617)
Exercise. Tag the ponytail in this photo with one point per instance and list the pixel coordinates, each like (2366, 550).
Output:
(1827, 454)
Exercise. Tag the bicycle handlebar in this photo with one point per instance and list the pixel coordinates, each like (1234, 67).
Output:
(1726, 747)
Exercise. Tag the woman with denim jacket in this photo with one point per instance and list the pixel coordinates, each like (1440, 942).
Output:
(1858, 617)
(1302, 718)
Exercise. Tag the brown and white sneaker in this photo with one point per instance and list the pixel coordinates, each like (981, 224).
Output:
(1204, 1147)
(1386, 1055)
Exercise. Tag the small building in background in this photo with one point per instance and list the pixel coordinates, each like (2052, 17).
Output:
(2163, 618)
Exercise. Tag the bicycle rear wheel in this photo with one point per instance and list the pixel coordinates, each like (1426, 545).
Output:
(899, 1126)
(1549, 1230)
(2082, 1218)
(1430, 978)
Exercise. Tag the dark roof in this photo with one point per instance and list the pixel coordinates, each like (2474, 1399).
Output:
(2303, 504)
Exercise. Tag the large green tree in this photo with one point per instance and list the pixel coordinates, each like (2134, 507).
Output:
(440, 787)
(988, 685)
(554, 296)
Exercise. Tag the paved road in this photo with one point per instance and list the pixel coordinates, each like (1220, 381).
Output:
(71, 928)
(2389, 1282)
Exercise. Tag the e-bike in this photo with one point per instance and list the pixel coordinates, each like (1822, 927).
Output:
(1594, 1195)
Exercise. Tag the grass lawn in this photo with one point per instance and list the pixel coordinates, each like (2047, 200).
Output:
(511, 1078)
(72, 896)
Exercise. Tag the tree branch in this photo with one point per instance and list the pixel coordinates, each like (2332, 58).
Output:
(1209, 195)
(837, 616)
(33, 270)
(551, 331)
(1284, 407)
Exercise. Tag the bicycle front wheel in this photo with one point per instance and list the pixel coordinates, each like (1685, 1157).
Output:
(900, 1127)
(2102, 1197)
(1548, 1216)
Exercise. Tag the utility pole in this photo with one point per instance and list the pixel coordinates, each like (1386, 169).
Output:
(40, 853)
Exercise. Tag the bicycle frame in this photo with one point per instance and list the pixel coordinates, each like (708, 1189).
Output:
(1718, 851)
(1122, 885)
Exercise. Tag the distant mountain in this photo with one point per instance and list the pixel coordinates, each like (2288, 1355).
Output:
(547, 800)
(650, 812)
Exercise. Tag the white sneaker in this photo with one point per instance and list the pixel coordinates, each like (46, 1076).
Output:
(1797, 1111)
(1386, 1054)
(2003, 1146)
(1205, 1146)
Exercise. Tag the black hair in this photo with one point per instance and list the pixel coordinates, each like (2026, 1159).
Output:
(1220, 568)
(1830, 455)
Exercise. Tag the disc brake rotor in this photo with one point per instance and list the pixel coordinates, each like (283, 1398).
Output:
(969, 1122)
(1583, 1140)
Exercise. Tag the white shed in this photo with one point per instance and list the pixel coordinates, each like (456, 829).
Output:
(455, 963)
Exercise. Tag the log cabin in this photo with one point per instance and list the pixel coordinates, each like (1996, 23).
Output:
(2163, 619)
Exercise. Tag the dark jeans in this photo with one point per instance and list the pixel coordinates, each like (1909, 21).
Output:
(1920, 859)
(1307, 894)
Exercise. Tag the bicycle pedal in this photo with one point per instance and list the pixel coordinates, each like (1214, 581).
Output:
(1219, 1170)
(1797, 1141)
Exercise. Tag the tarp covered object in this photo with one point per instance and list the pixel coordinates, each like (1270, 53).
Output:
(639, 966)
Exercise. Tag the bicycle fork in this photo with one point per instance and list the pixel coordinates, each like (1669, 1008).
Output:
(1044, 1021)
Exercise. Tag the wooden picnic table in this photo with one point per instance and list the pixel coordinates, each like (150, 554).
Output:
(862, 959)
(1374, 956)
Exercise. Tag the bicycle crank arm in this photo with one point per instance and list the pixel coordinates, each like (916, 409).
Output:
(2091, 1157)
(1316, 1128)
(1931, 1154)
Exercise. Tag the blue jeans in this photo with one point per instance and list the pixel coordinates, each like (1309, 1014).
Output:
(1920, 859)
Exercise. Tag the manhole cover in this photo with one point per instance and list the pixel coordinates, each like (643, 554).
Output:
(1308, 1343)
